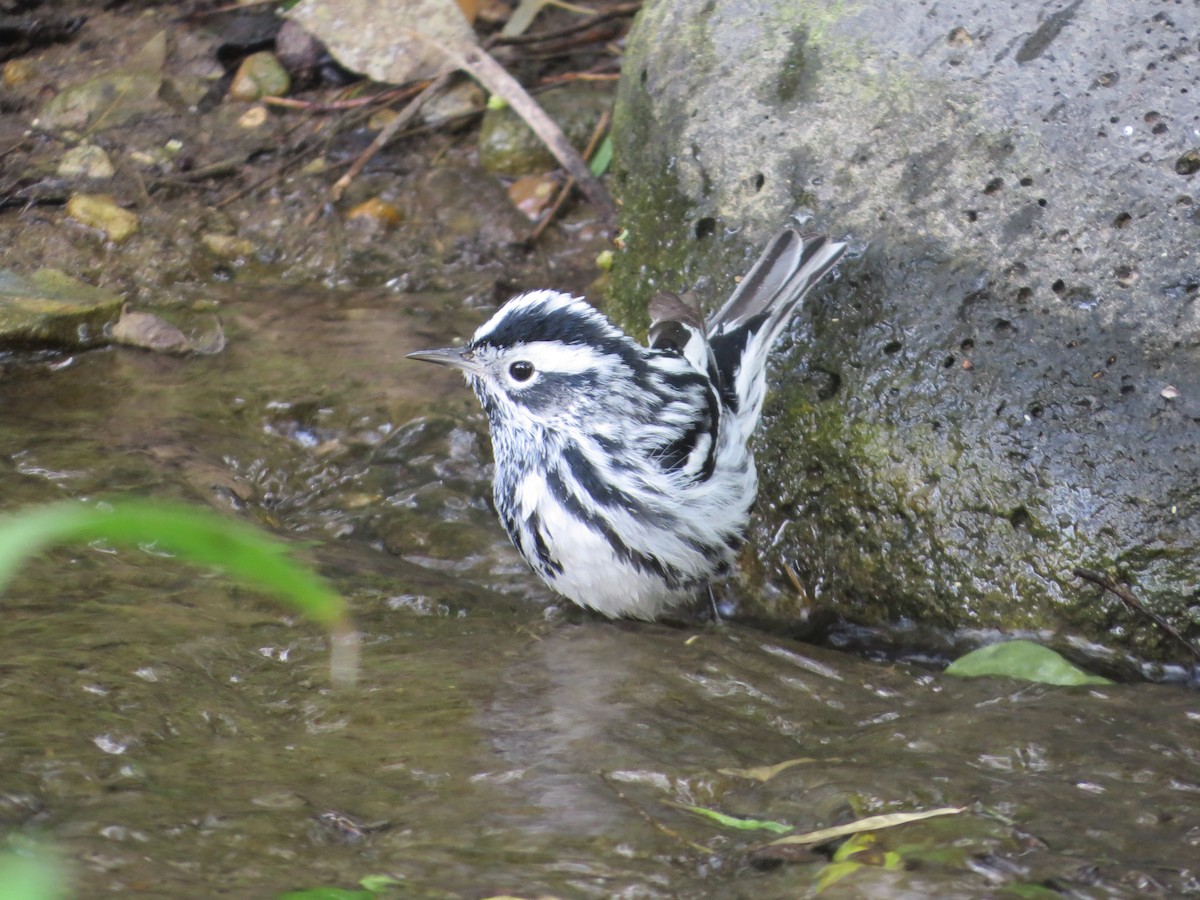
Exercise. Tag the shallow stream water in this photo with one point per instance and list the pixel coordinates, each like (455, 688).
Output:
(176, 735)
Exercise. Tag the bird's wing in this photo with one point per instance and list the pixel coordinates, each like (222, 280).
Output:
(677, 332)
(677, 326)
(742, 331)
(790, 264)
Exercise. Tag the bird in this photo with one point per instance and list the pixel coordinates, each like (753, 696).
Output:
(623, 473)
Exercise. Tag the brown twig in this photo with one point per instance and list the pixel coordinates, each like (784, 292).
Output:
(599, 39)
(270, 178)
(493, 76)
(593, 143)
(1126, 596)
(654, 823)
(616, 12)
(13, 149)
(240, 6)
(403, 117)
(383, 98)
(568, 77)
(218, 169)
(797, 584)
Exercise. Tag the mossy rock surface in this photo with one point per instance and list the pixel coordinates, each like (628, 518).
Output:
(50, 308)
(1004, 381)
(508, 146)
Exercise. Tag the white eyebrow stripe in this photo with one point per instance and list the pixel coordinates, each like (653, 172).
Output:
(552, 356)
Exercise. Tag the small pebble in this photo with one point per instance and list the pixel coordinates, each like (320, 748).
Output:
(17, 72)
(227, 246)
(260, 75)
(253, 117)
(86, 161)
(375, 211)
(102, 212)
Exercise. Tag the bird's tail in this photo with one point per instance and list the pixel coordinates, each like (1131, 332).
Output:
(741, 333)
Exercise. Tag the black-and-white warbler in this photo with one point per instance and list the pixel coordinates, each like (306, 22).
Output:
(623, 474)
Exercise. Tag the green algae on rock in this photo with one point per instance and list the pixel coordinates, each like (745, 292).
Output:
(50, 308)
(1002, 385)
(509, 147)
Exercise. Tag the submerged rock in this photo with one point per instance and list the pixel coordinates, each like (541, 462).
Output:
(50, 308)
(115, 98)
(976, 406)
(508, 146)
(101, 212)
(260, 75)
(87, 161)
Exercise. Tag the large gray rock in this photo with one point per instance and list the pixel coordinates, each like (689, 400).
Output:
(1005, 382)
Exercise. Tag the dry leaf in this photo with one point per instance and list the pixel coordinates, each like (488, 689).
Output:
(398, 41)
(870, 823)
(766, 773)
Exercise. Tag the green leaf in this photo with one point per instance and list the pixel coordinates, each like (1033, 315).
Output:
(856, 843)
(377, 884)
(194, 534)
(739, 823)
(1022, 659)
(602, 158)
(835, 872)
(32, 875)
(326, 893)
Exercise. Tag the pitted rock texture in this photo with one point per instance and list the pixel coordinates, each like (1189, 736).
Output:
(1004, 382)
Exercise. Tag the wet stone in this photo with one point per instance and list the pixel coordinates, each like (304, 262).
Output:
(86, 161)
(970, 410)
(458, 101)
(113, 98)
(508, 146)
(260, 75)
(51, 308)
(106, 101)
(102, 212)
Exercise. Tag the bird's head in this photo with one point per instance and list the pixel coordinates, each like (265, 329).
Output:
(546, 359)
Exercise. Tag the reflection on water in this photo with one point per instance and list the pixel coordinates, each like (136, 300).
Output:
(177, 736)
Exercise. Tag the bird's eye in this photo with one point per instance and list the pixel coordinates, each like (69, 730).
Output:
(521, 370)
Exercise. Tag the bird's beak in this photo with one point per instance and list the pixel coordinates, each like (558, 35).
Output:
(455, 357)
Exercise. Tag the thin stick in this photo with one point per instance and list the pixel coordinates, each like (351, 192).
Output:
(382, 99)
(496, 79)
(241, 6)
(593, 143)
(569, 77)
(299, 152)
(617, 12)
(654, 823)
(1134, 603)
(403, 117)
(15, 147)
(269, 178)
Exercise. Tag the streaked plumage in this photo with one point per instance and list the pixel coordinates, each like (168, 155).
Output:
(623, 474)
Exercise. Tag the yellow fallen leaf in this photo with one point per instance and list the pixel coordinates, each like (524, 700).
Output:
(766, 773)
(870, 823)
